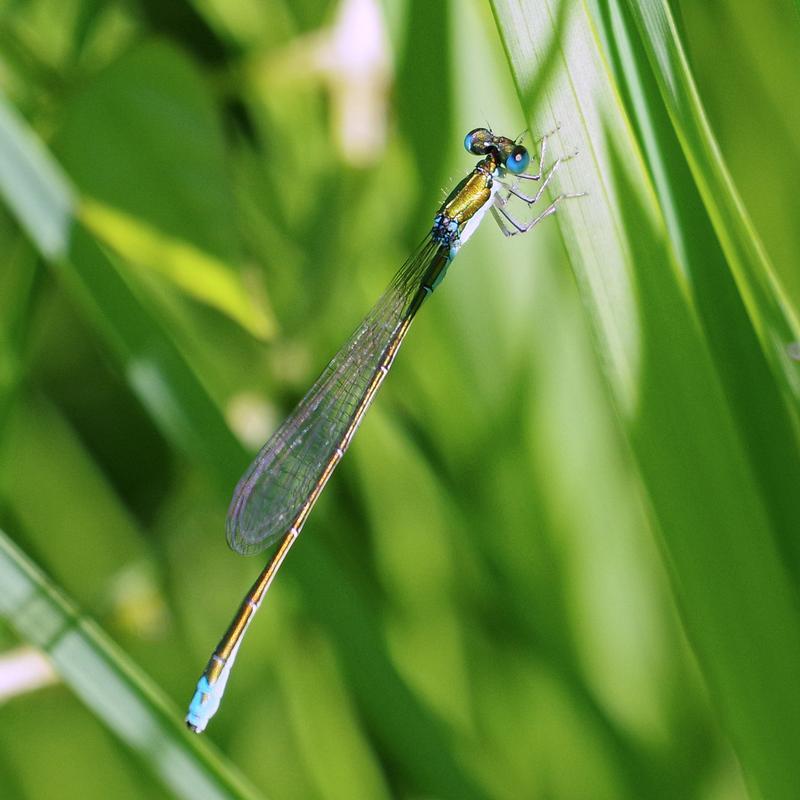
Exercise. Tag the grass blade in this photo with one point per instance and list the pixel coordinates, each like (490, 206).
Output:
(769, 308)
(718, 533)
(102, 677)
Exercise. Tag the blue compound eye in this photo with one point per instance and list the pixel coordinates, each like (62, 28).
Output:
(518, 160)
(477, 141)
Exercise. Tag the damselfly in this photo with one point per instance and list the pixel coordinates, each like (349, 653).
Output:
(276, 494)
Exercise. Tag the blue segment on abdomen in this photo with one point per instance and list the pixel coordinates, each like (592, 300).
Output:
(445, 231)
(204, 703)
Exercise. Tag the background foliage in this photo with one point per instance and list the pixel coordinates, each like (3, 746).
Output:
(560, 559)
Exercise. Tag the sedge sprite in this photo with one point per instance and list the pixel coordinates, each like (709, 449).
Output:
(275, 496)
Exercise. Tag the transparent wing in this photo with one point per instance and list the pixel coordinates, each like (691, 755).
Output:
(282, 478)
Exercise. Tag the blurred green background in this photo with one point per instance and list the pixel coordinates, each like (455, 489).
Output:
(484, 604)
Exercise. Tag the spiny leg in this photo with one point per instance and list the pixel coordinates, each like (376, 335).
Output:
(512, 189)
(498, 208)
(502, 216)
(507, 232)
(542, 153)
(555, 129)
(542, 140)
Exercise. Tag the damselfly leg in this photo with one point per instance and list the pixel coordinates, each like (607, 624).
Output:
(499, 209)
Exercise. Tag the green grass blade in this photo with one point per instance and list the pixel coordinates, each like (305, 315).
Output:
(770, 311)
(157, 190)
(102, 677)
(763, 418)
(33, 187)
(718, 533)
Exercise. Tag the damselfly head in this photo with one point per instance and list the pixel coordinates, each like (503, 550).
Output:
(507, 152)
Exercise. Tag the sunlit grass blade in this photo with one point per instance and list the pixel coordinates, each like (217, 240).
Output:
(757, 401)
(47, 206)
(770, 311)
(102, 677)
(33, 187)
(198, 274)
(718, 532)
